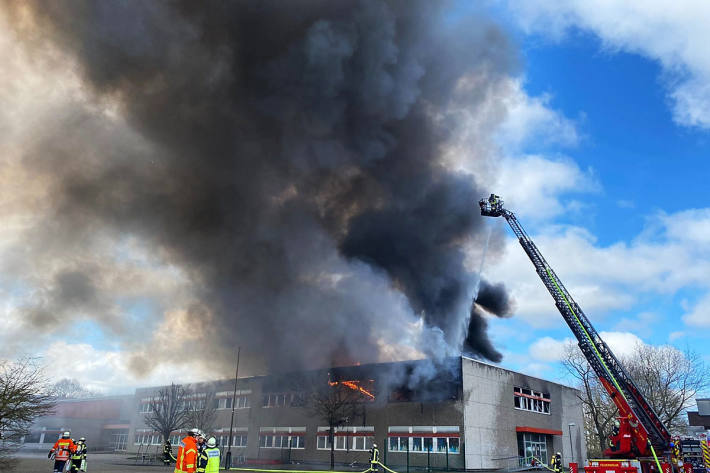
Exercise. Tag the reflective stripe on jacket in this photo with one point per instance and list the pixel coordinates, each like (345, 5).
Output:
(187, 455)
(63, 448)
(212, 460)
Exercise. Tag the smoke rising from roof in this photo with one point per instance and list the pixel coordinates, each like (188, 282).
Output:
(281, 159)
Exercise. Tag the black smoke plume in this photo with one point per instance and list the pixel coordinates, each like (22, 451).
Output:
(285, 155)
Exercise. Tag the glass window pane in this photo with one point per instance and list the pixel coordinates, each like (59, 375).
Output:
(453, 444)
(416, 444)
(321, 441)
(359, 443)
(404, 443)
(394, 444)
(428, 444)
(441, 444)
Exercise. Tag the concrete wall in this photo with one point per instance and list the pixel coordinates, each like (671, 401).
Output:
(491, 420)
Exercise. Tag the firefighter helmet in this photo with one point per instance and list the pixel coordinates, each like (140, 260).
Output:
(212, 442)
(66, 435)
(193, 432)
(82, 439)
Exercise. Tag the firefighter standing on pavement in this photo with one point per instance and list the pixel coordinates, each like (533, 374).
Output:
(374, 458)
(78, 456)
(208, 460)
(61, 450)
(187, 453)
(167, 452)
(556, 463)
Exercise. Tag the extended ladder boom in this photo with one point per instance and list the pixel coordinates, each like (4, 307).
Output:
(645, 423)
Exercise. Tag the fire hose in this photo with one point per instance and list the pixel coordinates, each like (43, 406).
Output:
(309, 471)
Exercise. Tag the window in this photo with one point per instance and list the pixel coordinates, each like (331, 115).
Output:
(296, 399)
(282, 437)
(239, 439)
(146, 437)
(240, 402)
(347, 438)
(529, 400)
(435, 439)
(145, 407)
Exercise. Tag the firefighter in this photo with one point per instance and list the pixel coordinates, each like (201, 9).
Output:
(556, 463)
(78, 456)
(61, 450)
(167, 452)
(613, 440)
(374, 458)
(208, 459)
(187, 453)
(200, 442)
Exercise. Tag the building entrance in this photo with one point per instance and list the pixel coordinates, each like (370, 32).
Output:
(534, 448)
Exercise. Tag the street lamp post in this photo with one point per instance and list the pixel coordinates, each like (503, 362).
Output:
(228, 458)
(571, 446)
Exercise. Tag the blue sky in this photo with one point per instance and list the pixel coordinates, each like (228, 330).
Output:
(648, 171)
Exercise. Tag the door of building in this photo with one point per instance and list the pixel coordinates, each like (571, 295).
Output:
(535, 447)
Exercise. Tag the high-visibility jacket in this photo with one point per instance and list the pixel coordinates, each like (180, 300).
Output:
(213, 460)
(374, 455)
(62, 449)
(79, 452)
(187, 455)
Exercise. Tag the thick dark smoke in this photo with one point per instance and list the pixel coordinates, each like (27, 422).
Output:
(492, 299)
(286, 156)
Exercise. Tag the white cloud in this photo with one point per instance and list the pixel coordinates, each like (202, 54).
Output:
(108, 371)
(532, 185)
(548, 349)
(531, 121)
(662, 259)
(621, 343)
(699, 315)
(673, 33)
(673, 336)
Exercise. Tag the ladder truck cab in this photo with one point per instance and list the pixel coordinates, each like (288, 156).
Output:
(640, 437)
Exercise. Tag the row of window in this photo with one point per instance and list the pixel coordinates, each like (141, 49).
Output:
(347, 443)
(283, 400)
(240, 402)
(281, 441)
(424, 444)
(529, 400)
(345, 439)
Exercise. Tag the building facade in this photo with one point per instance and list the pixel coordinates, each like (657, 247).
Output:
(104, 422)
(467, 414)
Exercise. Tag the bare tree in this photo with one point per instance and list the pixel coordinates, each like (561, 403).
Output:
(168, 410)
(599, 410)
(334, 403)
(71, 389)
(202, 410)
(667, 377)
(24, 396)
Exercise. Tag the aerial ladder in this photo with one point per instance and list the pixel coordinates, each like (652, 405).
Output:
(641, 433)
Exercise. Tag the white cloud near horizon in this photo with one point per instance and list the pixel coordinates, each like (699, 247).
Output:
(548, 349)
(673, 34)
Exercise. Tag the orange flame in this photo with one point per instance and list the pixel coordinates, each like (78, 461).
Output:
(355, 386)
